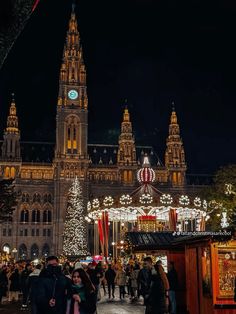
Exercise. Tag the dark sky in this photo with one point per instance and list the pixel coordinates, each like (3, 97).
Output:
(149, 52)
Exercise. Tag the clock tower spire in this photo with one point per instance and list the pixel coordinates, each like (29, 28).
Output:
(72, 98)
(71, 159)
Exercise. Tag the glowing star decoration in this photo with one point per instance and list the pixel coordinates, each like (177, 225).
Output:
(224, 221)
(166, 199)
(125, 199)
(146, 198)
(184, 200)
(197, 202)
(74, 235)
(95, 203)
(108, 201)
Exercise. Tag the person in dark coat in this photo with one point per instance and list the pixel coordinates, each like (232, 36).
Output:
(156, 299)
(14, 285)
(83, 294)
(173, 282)
(23, 283)
(144, 278)
(33, 288)
(110, 276)
(95, 273)
(3, 283)
(53, 289)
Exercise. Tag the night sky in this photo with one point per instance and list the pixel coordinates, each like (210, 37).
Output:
(148, 52)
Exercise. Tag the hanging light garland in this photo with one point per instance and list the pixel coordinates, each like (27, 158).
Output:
(184, 200)
(108, 201)
(125, 199)
(95, 203)
(197, 202)
(146, 198)
(166, 199)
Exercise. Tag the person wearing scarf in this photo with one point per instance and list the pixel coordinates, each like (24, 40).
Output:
(83, 296)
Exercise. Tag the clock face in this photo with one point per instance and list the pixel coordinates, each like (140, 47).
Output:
(73, 94)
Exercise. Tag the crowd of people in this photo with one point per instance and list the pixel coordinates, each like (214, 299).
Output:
(76, 289)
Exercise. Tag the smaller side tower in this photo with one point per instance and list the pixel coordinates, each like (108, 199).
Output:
(126, 157)
(174, 155)
(11, 156)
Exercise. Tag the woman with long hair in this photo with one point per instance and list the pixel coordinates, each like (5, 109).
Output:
(82, 297)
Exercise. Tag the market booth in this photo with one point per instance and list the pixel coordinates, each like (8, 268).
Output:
(206, 267)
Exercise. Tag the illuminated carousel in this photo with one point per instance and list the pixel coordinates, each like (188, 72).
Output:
(148, 209)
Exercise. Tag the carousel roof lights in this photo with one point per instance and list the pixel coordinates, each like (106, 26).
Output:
(166, 199)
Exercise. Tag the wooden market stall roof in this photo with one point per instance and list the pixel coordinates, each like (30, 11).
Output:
(147, 241)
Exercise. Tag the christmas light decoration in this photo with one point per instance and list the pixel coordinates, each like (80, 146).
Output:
(125, 199)
(74, 236)
(197, 202)
(184, 200)
(146, 198)
(95, 203)
(108, 201)
(224, 221)
(146, 175)
(166, 199)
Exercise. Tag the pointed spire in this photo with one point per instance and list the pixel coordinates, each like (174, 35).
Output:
(173, 119)
(12, 119)
(73, 7)
(127, 150)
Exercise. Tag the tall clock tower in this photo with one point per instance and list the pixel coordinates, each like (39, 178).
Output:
(71, 158)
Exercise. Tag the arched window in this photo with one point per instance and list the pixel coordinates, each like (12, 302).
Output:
(47, 216)
(47, 198)
(24, 216)
(36, 198)
(34, 252)
(23, 251)
(25, 198)
(46, 250)
(13, 172)
(36, 215)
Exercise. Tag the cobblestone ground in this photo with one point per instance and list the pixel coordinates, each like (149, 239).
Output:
(105, 306)
(117, 306)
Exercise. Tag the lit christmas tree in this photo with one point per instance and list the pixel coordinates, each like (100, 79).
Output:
(75, 240)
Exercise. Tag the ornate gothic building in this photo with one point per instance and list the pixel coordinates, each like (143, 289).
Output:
(43, 172)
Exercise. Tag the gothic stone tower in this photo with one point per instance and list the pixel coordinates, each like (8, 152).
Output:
(175, 156)
(126, 157)
(71, 158)
(11, 160)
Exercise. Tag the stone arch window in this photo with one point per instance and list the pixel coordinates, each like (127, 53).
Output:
(24, 216)
(7, 172)
(36, 198)
(23, 251)
(34, 252)
(47, 198)
(36, 215)
(72, 134)
(47, 216)
(25, 198)
(45, 250)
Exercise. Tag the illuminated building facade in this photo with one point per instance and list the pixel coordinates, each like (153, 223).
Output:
(44, 172)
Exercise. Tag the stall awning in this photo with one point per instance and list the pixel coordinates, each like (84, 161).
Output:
(150, 241)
